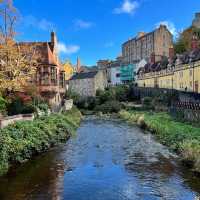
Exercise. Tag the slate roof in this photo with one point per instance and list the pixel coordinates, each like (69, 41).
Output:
(84, 75)
(185, 58)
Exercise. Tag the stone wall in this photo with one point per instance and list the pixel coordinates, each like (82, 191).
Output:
(87, 87)
(83, 87)
(99, 81)
(12, 119)
(68, 104)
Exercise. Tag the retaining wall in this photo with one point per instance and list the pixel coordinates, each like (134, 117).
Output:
(12, 119)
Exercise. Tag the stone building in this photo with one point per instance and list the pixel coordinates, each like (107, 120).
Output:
(87, 83)
(141, 47)
(104, 66)
(50, 75)
(196, 21)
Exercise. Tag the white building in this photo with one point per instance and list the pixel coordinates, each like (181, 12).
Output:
(115, 72)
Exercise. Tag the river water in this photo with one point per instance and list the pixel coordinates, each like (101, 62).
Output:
(107, 160)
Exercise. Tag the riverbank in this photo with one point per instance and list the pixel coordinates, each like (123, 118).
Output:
(21, 141)
(180, 137)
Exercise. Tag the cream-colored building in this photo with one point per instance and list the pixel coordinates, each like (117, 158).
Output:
(183, 77)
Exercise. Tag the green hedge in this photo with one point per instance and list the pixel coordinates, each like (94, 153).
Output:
(20, 141)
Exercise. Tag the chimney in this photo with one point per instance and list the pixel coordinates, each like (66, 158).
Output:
(53, 39)
(140, 34)
(153, 58)
(171, 52)
(194, 44)
(78, 65)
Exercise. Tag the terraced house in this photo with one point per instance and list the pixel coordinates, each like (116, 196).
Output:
(50, 75)
(181, 72)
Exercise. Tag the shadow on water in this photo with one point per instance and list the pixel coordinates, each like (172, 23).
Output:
(107, 160)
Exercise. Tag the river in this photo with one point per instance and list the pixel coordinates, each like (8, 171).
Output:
(106, 160)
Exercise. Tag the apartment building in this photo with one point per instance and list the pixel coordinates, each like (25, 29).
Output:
(145, 44)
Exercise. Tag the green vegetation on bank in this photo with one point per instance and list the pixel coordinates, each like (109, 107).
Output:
(180, 137)
(107, 101)
(24, 139)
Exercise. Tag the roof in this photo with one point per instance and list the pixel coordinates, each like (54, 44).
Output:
(84, 75)
(44, 52)
(185, 58)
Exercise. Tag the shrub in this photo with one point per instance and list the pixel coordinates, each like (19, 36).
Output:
(107, 95)
(91, 103)
(122, 92)
(44, 107)
(3, 103)
(22, 140)
(147, 102)
(73, 95)
(15, 107)
(141, 122)
(28, 109)
(109, 107)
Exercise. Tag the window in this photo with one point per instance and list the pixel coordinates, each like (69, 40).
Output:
(62, 79)
(181, 74)
(53, 75)
(118, 75)
(191, 73)
(164, 44)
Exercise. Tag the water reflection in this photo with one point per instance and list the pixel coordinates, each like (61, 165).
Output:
(107, 160)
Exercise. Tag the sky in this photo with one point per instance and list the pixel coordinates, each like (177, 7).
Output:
(96, 29)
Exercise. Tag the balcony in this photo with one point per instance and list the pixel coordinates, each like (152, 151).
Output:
(49, 89)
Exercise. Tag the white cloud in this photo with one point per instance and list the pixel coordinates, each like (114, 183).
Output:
(67, 49)
(41, 24)
(170, 25)
(81, 24)
(127, 7)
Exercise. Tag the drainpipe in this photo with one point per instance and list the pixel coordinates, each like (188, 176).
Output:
(193, 76)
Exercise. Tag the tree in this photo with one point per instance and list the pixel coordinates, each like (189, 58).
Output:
(184, 41)
(17, 64)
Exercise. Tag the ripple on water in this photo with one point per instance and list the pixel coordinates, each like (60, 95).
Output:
(107, 160)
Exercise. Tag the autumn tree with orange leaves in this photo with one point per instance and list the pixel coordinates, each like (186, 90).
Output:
(17, 65)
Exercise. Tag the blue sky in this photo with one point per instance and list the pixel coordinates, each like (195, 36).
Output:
(95, 29)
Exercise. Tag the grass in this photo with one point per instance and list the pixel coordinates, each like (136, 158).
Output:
(24, 139)
(180, 137)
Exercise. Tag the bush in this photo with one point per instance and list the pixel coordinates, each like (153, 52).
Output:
(91, 103)
(3, 103)
(141, 122)
(28, 109)
(15, 107)
(122, 92)
(109, 107)
(22, 140)
(73, 95)
(147, 103)
(44, 107)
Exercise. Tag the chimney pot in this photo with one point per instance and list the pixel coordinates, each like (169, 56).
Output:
(153, 58)
(171, 53)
